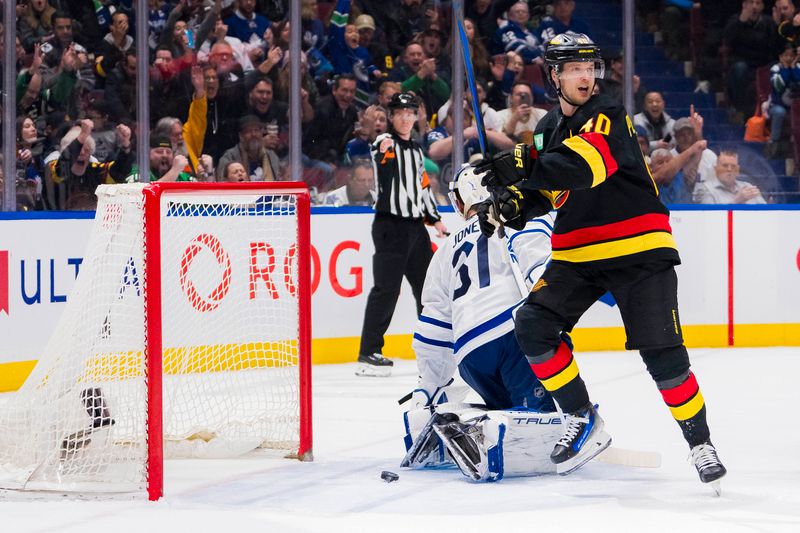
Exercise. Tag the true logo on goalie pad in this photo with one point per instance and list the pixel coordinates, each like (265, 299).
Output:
(524, 421)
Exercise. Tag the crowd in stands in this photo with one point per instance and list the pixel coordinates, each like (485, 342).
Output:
(746, 54)
(219, 90)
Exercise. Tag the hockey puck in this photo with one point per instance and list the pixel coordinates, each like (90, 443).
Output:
(388, 476)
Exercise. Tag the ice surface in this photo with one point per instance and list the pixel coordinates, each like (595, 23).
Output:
(751, 396)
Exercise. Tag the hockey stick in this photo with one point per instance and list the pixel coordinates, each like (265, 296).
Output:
(634, 458)
(476, 106)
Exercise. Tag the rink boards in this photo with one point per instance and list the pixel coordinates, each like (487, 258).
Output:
(739, 283)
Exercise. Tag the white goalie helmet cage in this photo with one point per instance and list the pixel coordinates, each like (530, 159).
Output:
(466, 190)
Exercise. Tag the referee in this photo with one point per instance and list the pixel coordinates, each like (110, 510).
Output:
(402, 244)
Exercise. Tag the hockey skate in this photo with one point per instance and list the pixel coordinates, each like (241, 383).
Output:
(709, 467)
(375, 365)
(583, 440)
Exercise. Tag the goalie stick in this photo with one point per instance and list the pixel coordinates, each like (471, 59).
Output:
(634, 458)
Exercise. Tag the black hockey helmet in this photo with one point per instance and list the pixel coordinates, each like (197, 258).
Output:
(569, 47)
(403, 101)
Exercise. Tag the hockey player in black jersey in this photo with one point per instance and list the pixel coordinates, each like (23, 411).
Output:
(612, 233)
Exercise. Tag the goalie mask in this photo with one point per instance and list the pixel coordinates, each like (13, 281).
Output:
(466, 190)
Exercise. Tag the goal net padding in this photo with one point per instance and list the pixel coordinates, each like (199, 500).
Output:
(186, 334)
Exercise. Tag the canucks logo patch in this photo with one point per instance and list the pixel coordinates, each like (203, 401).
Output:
(560, 197)
(538, 141)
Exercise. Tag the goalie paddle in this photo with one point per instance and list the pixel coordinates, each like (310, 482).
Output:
(634, 458)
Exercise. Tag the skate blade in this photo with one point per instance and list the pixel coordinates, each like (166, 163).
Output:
(363, 369)
(717, 487)
(598, 444)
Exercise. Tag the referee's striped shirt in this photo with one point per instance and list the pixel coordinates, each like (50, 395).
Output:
(403, 186)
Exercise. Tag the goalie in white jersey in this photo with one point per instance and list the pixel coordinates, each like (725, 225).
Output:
(472, 288)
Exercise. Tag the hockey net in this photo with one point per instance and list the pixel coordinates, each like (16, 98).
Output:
(188, 325)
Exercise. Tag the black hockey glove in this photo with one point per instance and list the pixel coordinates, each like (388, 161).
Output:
(486, 219)
(509, 201)
(509, 167)
(505, 207)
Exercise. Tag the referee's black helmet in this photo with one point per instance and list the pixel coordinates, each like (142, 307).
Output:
(403, 101)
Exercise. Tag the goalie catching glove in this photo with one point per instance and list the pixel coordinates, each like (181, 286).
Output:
(508, 167)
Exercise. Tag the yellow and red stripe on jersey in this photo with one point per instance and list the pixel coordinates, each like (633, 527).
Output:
(593, 148)
(626, 237)
(684, 400)
(558, 370)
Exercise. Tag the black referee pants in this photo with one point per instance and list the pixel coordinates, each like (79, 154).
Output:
(402, 248)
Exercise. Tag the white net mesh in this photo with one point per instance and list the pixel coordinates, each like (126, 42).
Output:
(229, 334)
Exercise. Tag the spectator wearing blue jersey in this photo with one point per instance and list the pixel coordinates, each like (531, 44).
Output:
(514, 35)
(318, 65)
(675, 172)
(673, 188)
(562, 21)
(486, 13)
(158, 13)
(347, 56)
(313, 35)
(785, 80)
(245, 22)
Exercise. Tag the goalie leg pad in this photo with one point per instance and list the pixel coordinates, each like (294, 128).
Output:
(519, 442)
(491, 445)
